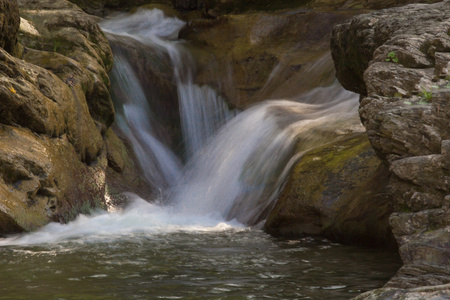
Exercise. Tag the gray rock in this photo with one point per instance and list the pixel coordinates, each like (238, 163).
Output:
(398, 59)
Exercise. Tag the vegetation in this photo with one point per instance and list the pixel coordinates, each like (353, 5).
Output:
(392, 56)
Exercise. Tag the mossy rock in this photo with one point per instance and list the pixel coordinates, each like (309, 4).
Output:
(336, 191)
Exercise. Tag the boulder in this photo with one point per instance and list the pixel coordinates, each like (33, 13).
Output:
(398, 60)
(42, 179)
(337, 191)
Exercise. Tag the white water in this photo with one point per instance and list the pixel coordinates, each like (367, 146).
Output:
(202, 110)
(139, 218)
(233, 175)
(159, 164)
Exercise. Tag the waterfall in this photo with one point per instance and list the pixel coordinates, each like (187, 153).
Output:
(239, 174)
(235, 163)
(202, 110)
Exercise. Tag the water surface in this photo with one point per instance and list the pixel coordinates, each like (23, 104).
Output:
(153, 253)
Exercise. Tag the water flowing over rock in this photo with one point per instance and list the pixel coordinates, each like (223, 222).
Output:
(398, 59)
(201, 111)
(254, 153)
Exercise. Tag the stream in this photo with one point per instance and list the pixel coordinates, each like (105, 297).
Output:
(203, 240)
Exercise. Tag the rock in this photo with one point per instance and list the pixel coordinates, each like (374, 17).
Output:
(55, 107)
(188, 4)
(64, 29)
(9, 25)
(397, 59)
(154, 70)
(433, 292)
(98, 7)
(42, 179)
(414, 46)
(379, 4)
(337, 191)
(264, 55)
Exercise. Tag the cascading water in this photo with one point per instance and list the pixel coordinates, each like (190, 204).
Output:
(202, 110)
(233, 173)
(199, 244)
(236, 175)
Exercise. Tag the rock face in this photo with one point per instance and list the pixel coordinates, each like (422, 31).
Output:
(265, 55)
(398, 60)
(9, 25)
(97, 7)
(337, 191)
(54, 115)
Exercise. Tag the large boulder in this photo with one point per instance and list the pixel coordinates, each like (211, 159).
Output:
(398, 60)
(337, 191)
(9, 25)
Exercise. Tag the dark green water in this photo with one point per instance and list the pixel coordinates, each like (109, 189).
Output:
(218, 264)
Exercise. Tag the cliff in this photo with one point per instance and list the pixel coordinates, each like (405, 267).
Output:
(398, 61)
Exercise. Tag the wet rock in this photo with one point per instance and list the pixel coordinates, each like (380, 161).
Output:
(337, 191)
(42, 179)
(62, 28)
(154, 70)
(397, 59)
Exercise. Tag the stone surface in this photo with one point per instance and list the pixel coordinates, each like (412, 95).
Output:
(398, 59)
(260, 55)
(55, 107)
(430, 293)
(9, 25)
(337, 191)
(54, 115)
(98, 7)
(153, 68)
(70, 44)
